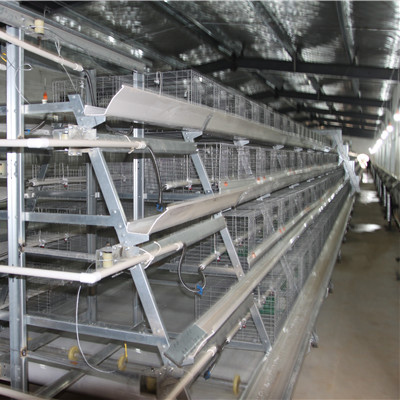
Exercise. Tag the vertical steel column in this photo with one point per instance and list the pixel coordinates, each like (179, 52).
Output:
(91, 239)
(138, 197)
(138, 164)
(91, 206)
(91, 90)
(150, 308)
(15, 206)
(384, 195)
(388, 208)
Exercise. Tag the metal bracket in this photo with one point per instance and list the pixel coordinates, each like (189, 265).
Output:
(78, 110)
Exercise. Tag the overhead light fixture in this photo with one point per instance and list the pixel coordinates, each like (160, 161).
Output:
(396, 115)
(390, 128)
(376, 147)
(384, 134)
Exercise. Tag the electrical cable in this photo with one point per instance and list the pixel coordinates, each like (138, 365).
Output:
(58, 48)
(90, 86)
(25, 67)
(198, 289)
(38, 126)
(160, 206)
(77, 335)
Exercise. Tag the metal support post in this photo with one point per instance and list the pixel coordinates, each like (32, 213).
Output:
(384, 196)
(91, 240)
(150, 308)
(138, 165)
(138, 197)
(388, 208)
(227, 239)
(15, 204)
(91, 206)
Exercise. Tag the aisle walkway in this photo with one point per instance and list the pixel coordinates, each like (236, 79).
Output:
(358, 326)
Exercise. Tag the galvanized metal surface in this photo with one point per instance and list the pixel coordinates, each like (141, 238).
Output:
(273, 378)
(16, 227)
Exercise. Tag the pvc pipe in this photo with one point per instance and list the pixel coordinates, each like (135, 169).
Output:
(213, 256)
(44, 143)
(90, 277)
(15, 394)
(43, 53)
(192, 373)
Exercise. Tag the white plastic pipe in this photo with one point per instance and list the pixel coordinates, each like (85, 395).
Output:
(91, 277)
(192, 373)
(44, 143)
(15, 394)
(40, 52)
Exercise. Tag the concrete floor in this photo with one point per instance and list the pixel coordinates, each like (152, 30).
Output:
(358, 326)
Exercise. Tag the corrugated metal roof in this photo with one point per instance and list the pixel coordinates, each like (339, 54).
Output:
(167, 35)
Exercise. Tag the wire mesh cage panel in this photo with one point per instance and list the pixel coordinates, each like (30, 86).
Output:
(50, 299)
(122, 176)
(251, 223)
(60, 176)
(177, 175)
(226, 162)
(278, 291)
(106, 88)
(247, 228)
(210, 251)
(62, 88)
(190, 86)
(65, 237)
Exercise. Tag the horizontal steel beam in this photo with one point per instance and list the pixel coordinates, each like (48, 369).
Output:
(31, 109)
(60, 254)
(363, 133)
(148, 52)
(320, 111)
(341, 70)
(365, 102)
(14, 15)
(357, 124)
(93, 330)
(70, 219)
(195, 27)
